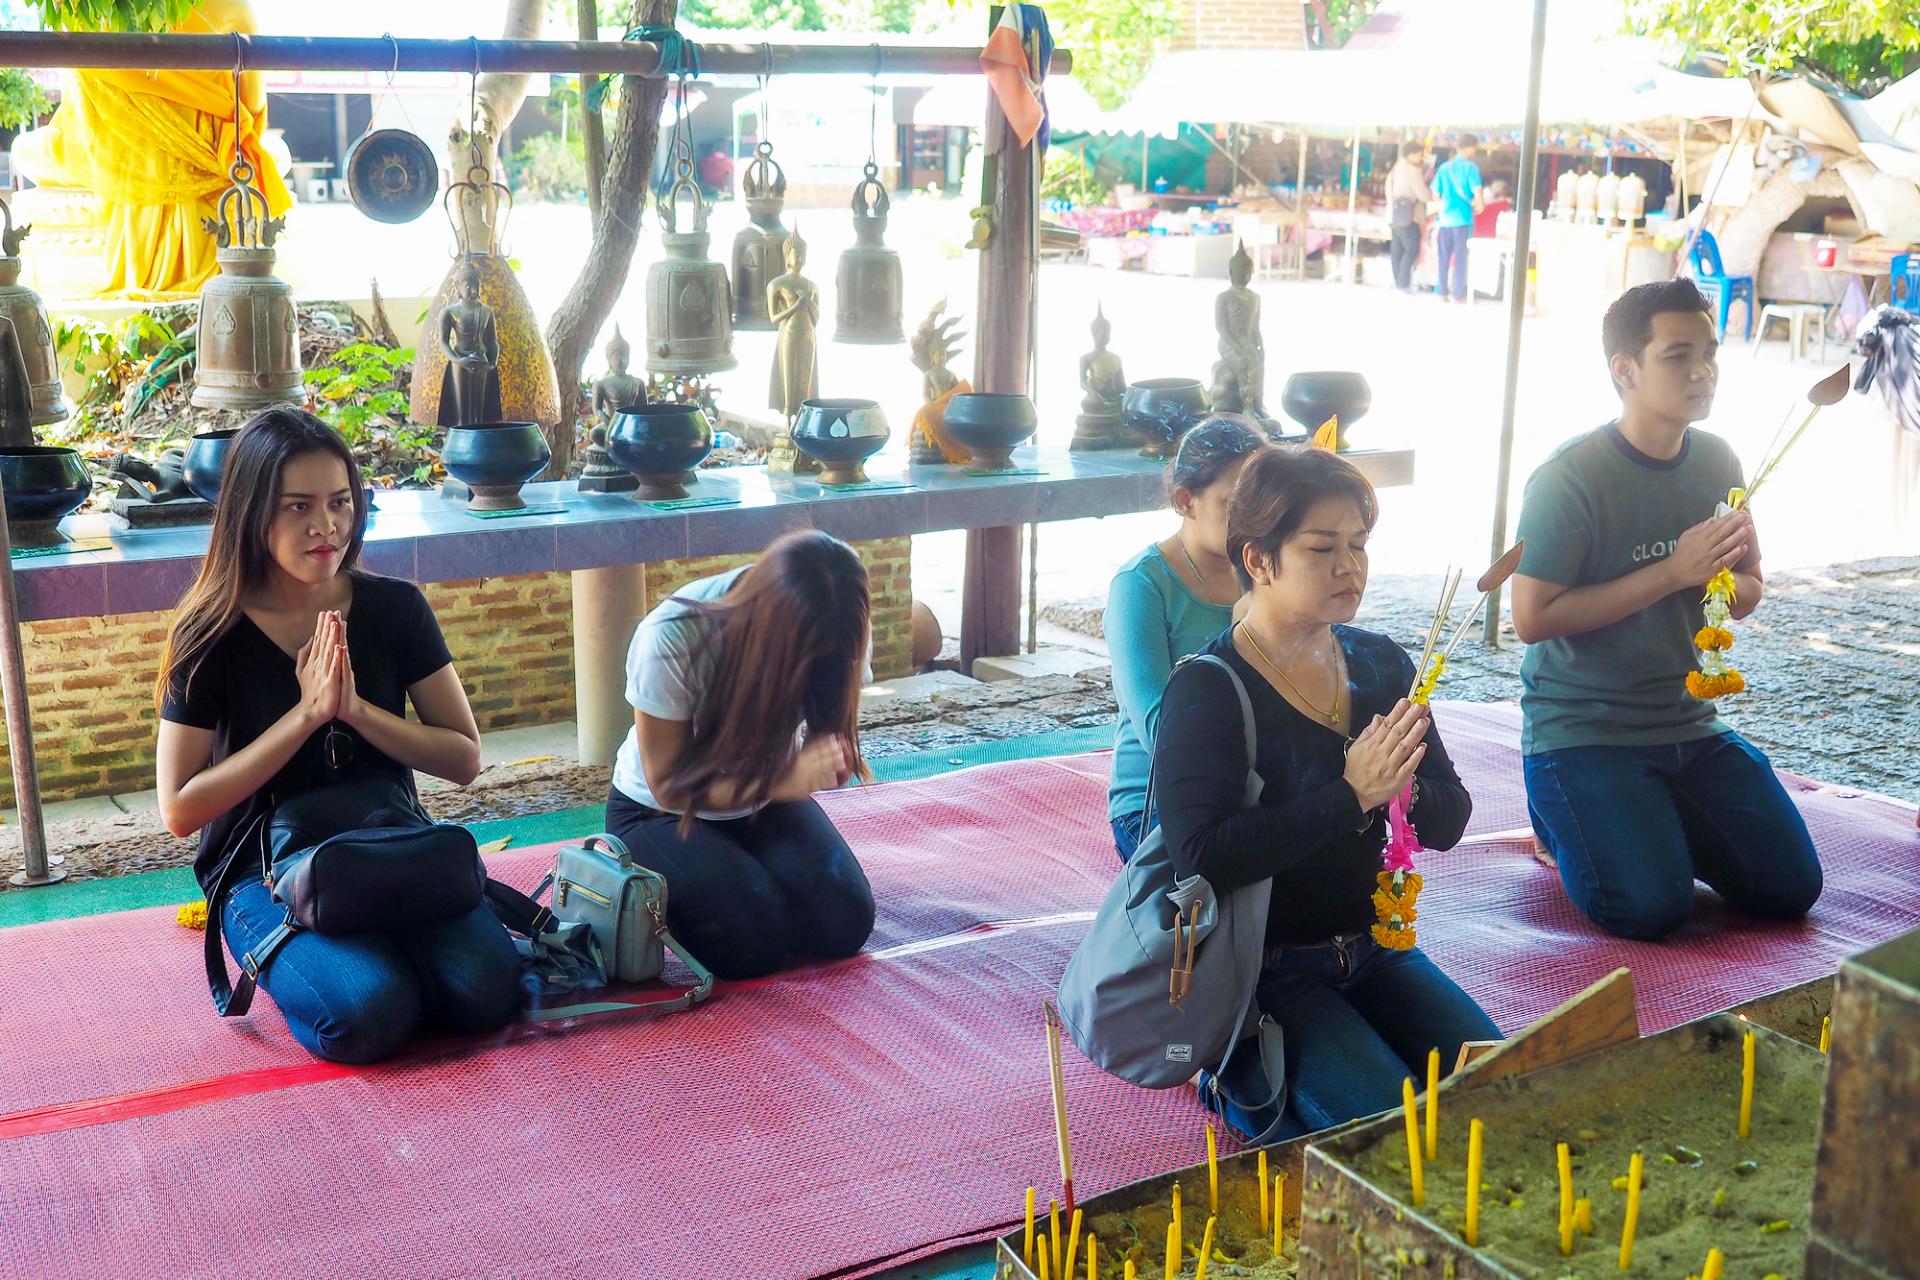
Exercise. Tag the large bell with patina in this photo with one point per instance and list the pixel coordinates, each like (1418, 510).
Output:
(868, 283)
(758, 248)
(689, 305)
(39, 361)
(249, 346)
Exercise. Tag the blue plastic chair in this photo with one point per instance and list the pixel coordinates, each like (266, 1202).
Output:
(1906, 281)
(1721, 289)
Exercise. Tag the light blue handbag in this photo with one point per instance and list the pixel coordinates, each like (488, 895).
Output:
(1156, 938)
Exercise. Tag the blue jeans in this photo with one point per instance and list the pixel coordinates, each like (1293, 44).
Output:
(1359, 1019)
(360, 998)
(1128, 829)
(1450, 246)
(1633, 827)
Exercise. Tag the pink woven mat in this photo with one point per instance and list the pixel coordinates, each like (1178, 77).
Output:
(819, 1121)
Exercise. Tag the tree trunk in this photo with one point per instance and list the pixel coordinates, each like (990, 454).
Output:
(616, 230)
(592, 129)
(497, 101)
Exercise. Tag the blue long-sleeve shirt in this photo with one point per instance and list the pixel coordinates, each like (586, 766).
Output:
(1152, 621)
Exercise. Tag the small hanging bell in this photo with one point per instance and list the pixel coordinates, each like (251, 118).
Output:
(757, 249)
(38, 359)
(249, 348)
(689, 311)
(868, 283)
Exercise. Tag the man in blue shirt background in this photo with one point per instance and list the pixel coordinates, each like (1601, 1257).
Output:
(1457, 187)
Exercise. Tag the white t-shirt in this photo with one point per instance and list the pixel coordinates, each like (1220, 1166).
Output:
(669, 668)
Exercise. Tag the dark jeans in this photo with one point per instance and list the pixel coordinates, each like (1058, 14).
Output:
(1128, 829)
(1359, 1019)
(1633, 827)
(360, 998)
(1406, 254)
(755, 895)
(1450, 250)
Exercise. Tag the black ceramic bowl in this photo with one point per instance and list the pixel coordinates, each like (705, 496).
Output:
(1311, 398)
(842, 434)
(660, 443)
(206, 459)
(990, 424)
(43, 483)
(1161, 410)
(493, 459)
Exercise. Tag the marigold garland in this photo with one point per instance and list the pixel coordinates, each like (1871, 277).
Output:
(1393, 902)
(192, 916)
(1716, 677)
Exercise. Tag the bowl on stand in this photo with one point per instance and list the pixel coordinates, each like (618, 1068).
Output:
(840, 435)
(43, 484)
(205, 460)
(661, 444)
(1311, 398)
(990, 424)
(1161, 410)
(493, 459)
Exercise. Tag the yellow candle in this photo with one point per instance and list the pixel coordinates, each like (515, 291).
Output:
(1746, 1087)
(1279, 1209)
(1413, 1142)
(1131, 1273)
(1178, 1226)
(1433, 1104)
(1206, 1251)
(1027, 1239)
(1564, 1156)
(1213, 1172)
(1475, 1138)
(1093, 1253)
(1715, 1261)
(1073, 1247)
(1173, 1250)
(1634, 1169)
(1583, 1215)
(1263, 1189)
(1044, 1273)
(1053, 1234)
(1826, 1033)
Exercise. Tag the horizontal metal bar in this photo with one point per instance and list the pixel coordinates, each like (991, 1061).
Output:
(169, 52)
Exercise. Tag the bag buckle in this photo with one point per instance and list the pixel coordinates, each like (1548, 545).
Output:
(251, 965)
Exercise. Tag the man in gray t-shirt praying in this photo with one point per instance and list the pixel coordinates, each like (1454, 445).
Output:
(1635, 786)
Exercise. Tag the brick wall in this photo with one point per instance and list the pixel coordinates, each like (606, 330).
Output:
(90, 680)
(1241, 24)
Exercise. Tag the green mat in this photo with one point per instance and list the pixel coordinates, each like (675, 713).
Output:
(176, 885)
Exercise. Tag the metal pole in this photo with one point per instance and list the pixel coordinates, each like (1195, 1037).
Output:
(13, 687)
(1517, 306)
(1353, 206)
(171, 52)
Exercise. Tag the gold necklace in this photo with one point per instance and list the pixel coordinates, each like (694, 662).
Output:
(1332, 714)
(1206, 588)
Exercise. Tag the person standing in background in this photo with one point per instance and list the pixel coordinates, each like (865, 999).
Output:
(1457, 187)
(1486, 223)
(1408, 196)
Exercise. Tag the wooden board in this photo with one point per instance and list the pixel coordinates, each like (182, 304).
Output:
(1602, 1015)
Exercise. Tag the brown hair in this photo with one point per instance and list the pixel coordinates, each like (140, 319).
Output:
(1273, 493)
(238, 558)
(793, 632)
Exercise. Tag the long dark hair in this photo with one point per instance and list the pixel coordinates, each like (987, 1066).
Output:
(1273, 493)
(238, 558)
(1213, 447)
(793, 631)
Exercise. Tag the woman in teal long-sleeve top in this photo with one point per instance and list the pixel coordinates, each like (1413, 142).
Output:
(1168, 601)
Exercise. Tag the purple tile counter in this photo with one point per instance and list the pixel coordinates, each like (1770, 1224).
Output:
(424, 537)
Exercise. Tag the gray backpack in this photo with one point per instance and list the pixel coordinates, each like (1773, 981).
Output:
(1117, 994)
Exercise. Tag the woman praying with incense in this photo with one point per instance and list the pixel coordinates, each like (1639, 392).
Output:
(1337, 740)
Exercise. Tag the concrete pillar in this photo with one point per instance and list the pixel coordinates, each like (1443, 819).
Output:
(607, 605)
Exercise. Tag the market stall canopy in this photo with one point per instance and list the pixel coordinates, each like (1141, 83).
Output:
(961, 101)
(1455, 62)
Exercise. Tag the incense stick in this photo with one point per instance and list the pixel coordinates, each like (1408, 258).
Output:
(1057, 1074)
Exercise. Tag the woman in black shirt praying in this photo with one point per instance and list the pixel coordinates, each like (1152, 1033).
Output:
(1337, 741)
(287, 669)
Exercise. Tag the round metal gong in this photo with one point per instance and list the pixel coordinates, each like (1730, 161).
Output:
(392, 175)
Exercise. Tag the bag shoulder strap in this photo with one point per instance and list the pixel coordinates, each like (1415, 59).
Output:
(232, 999)
(1248, 733)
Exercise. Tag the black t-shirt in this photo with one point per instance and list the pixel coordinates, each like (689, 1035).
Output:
(1302, 833)
(246, 683)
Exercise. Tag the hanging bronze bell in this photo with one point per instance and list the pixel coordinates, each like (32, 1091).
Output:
(758, 248)
(689, 305)
(39, 362)
(870, 297)
(249, 350)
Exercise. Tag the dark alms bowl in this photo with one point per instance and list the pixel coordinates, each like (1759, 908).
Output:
(1311, 398)
(661, 444)
(841, 435)
(43, 485)
(1161, 410)
(990, 425)
(493, 459)
(205, 461)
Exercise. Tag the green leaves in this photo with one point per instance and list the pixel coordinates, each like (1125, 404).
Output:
(1861, 45)
(1112, 41)
(112, 15)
